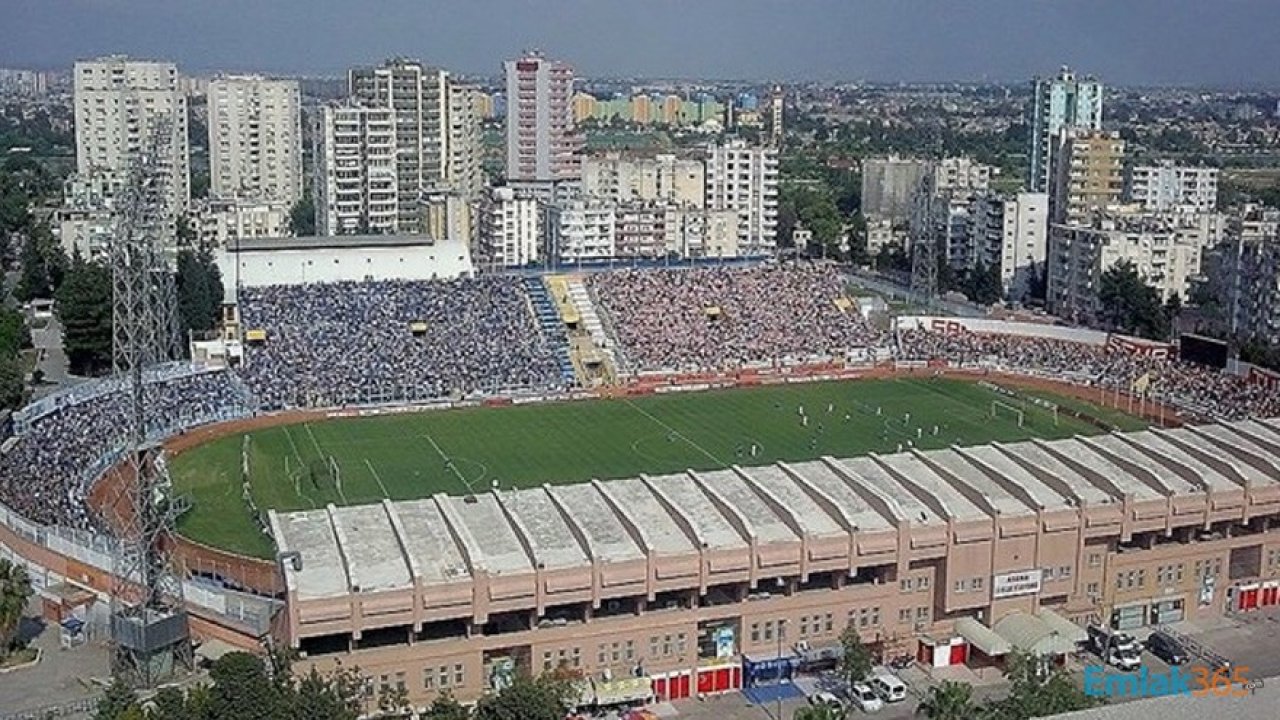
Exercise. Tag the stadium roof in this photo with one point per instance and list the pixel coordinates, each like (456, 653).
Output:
(315, 242)
(443, 539)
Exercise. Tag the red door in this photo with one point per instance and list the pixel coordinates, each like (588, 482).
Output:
(1249, 599)
(681, 687)
(706, 682)
(924, 654)
(1270, 594)
(723, 680)
(735, 677)
(959, 653)
(660, 688)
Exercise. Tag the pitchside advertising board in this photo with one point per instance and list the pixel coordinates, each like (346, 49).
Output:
(1025, 582)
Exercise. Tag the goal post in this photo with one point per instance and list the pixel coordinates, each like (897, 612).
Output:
(245, 448)
(999, 408)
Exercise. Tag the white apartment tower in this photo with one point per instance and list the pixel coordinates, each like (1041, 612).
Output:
(542, 143)
(356, 182)
(744, 178)
(1066, 102)
(1166, 186)
(255, 139)
(627, 177)
(1012, 233)
(509, 229)
(465, 175)
(118, 102)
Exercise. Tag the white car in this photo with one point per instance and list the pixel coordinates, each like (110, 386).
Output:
(864, 698)
(825, 698)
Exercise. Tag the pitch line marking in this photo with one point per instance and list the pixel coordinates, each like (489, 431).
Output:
(376, 478)
(675, 432)
(302, 464)
(449, 463)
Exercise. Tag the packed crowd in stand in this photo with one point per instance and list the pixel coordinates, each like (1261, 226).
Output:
(43, 476)
(716, 318)
(1204, 390)
(354, 342)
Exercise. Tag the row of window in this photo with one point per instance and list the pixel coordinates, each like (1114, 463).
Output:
(564, 657)
(816, 625)
(920, 614)
(1169, 574)
(971, 584)
(442, 678)
(916, 584)
(1060, 573)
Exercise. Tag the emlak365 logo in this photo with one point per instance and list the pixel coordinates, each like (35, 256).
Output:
(1196, 681)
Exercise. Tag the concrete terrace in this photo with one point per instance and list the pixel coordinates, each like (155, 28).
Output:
(441, 540)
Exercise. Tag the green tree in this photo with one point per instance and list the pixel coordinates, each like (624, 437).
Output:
(1130, 305)
(855, 662)
(332, 697)
(43, 265)
(302, 217)
(13, 389)
(199, 291)
(242, 690)
(84, 307)
(15, 591)
(445, 707)
(545, 698)
(170, 704)
(1037, 690)
(949, 701)
(117, 703)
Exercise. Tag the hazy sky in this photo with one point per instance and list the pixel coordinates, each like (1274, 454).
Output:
(1185, 42)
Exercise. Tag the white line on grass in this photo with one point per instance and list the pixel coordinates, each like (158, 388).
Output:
(677, 433)
(302, 465)
(369, 465)
(449, 464)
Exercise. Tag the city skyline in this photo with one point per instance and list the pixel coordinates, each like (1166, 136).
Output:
(1142, 42)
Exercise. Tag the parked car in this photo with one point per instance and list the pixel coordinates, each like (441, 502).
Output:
(1127, 659)
(890, 688)
(823, 697)
(1103, 640)
(864, 698)
(1163, 646)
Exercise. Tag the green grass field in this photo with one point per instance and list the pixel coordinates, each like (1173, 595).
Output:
(461, 451)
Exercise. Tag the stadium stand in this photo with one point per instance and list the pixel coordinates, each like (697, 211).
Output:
(46, 472)
(552, 326)
(351, 343)
(719, 318)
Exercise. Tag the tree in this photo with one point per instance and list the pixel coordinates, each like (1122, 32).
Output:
(527, 699)
(242, 691)
(333, 697)
(302, 217)
(15, 591)
(855, 663)
(445, 707)
(1130, 305)
(43, 265)
(170, 704)
(118, 701)
(1037, 690)
(199, 291)
(949, 701)
(84, 307)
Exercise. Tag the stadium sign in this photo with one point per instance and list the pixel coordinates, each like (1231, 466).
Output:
(1026, 582)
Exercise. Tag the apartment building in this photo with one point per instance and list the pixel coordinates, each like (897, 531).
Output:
(1088, 174)
(1242, 274)
(1166, 186)
(465, 175)
(744, 178)
(1065, 102)
(1012, 232)
(627, 177)
(119, 105)
(961, 174)
(1165, 249)
(647, 229)
(255, 139)
(223, 223)
(542, 141)
(357, 179)
(583, 229)
(890, 186)
(510, 229)
(699, 581)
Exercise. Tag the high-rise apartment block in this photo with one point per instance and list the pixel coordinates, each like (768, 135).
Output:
(1088, 174)
(1166, 186)
(542, 142)
(255, 140)
(744, 178)
(510, 229)
(1012, 233)
(356, 183)
(1066, 102)
(624, 177)
(119, 105)
(1242, 275)
(890, 186)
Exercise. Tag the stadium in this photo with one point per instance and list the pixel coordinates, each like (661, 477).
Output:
(645, 474)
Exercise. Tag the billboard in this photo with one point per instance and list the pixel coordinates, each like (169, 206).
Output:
(1202, 351)
(1026, 582)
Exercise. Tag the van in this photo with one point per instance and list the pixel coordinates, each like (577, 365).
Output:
(890, 688)
(864, 698)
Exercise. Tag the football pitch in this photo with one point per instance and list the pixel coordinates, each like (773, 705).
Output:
(363, 460)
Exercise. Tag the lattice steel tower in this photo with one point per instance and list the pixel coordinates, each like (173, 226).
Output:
(149, 633)
(924, 246)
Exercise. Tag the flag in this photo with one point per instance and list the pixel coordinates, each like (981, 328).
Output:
(1140, 385)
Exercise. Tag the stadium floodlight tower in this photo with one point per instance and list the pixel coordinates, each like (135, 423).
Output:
(924, 246)
(150, 637)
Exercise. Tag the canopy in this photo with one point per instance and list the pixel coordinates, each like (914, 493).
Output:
(1033, 635)
(255, 335)
(982, 637)
(1063, 626)
(623, 690)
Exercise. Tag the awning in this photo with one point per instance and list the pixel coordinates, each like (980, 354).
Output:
(417, 328)
(982, 637)
(255, 335)
(712, 311)
(1063, 626)
(213, 649)
(623, 690)
(1033, 635)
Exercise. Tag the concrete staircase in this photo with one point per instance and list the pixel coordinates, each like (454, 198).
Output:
(544, 309)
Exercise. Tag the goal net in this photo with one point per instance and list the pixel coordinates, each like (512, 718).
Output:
(1000, 409)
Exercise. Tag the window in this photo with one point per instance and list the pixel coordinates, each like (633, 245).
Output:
(546, 660)
(1047, 573)
(905, 585)
(1142, 578)
(768, 630)
(443, 677)
(666, 646)
(1064, 572)
(457, 675)
(804, 625)
(755, 634)
(653, 644)
(922, 613)
(922, 582)
(1120, 581)
(904, 615)
(629, 652)
(961, 586)
(615, 652)
(1178, 572)
(875, 615)
(428, 678)
(826, 623)
(384, 684)
(1095, 560)
(680, 639)
(976, 584)
(1092, 589)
